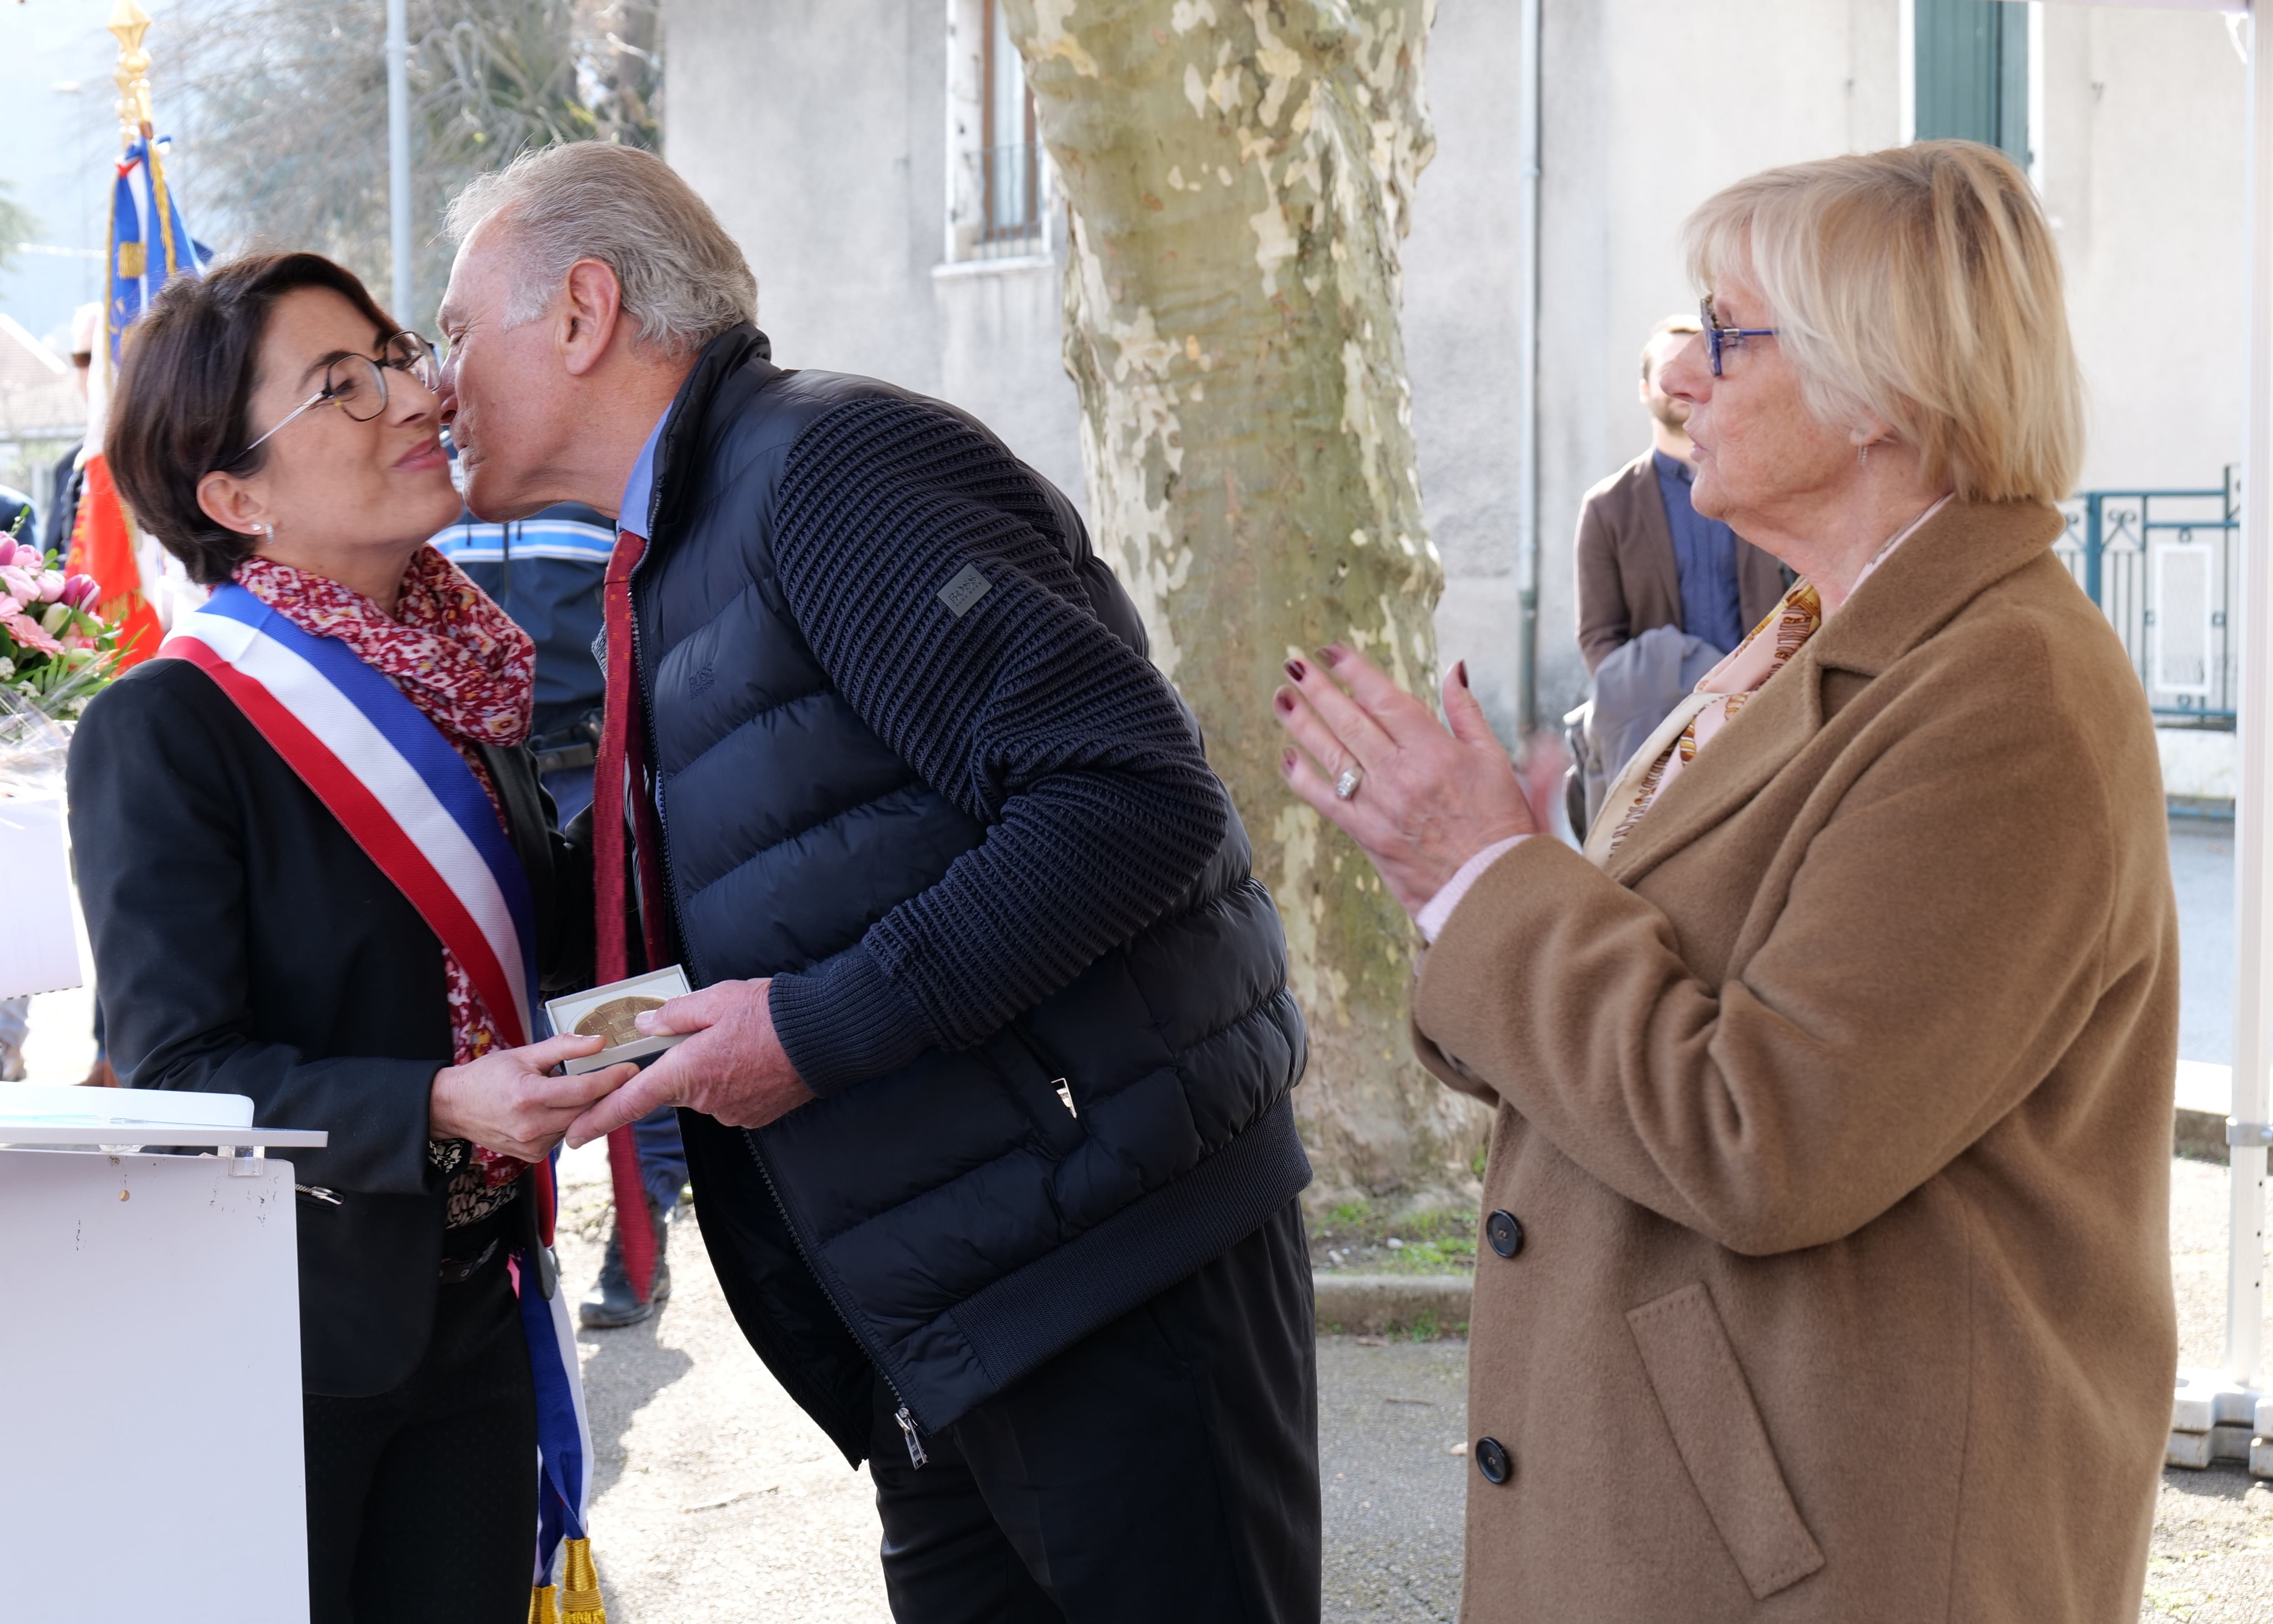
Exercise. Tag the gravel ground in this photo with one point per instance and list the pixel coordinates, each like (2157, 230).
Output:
(2212, 1558)
(719, 1502)
(1392, 1455)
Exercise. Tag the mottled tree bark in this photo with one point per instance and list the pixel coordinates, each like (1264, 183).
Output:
(1240, 173)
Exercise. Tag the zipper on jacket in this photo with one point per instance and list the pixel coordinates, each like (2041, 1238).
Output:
(916, 1458)
(904, 1416)
(319, 1192)
(1060, 1081)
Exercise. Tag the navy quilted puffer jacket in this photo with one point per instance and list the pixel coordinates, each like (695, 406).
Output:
(997, 1164)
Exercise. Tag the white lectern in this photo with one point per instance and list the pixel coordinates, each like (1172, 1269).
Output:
(150, 1461)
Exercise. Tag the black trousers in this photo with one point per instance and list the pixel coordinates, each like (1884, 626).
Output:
(1164, 1470)
(422, 1502)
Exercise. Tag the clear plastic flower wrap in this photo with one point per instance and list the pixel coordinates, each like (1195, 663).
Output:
(33, 745)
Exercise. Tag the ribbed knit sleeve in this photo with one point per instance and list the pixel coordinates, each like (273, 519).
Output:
(919, 561)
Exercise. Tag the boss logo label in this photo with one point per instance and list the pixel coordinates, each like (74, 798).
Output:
(967, 586)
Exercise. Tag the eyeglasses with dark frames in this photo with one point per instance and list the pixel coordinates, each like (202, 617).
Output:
(357, 384)
(1718, 338)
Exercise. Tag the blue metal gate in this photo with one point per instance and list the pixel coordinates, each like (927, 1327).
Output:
(2162, 566)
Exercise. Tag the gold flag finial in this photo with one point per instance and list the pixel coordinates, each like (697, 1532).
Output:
(128, 23)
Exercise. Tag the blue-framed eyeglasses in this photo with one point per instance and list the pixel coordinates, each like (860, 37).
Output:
(1718, 338)
(358, 384)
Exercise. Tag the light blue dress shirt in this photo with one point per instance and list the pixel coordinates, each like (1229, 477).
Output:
(639, 490)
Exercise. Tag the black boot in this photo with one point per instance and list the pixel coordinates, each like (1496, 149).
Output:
(611, 1302)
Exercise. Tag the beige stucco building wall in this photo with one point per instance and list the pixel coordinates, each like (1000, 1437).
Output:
(821, 130)
(1650, 107)
(2146, 114)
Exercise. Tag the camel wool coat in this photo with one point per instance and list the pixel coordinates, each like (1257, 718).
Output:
(1834, 1136)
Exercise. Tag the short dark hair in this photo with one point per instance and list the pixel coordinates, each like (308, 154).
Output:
(185, 386)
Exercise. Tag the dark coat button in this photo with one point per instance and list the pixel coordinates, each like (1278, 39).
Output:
(1504, 1233)
(1491, 1460)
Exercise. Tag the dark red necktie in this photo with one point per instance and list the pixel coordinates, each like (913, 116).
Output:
(621, 796)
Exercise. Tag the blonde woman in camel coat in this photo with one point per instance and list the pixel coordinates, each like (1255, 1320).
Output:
(1826, 1274)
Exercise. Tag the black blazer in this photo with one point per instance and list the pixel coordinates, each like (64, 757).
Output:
(243, 943)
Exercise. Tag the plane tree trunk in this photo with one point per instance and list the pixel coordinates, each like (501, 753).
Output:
(1240, 175)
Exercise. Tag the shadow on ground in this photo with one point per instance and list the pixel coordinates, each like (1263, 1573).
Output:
(717, 1500)
(623, 1368)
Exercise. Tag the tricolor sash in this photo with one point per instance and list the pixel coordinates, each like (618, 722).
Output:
(564, 1458)
(399, 788)
(406, 796)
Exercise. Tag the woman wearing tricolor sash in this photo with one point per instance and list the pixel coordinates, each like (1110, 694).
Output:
(318, 870)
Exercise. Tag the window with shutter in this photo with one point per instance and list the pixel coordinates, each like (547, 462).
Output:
(1000, 196)
(1972, 72)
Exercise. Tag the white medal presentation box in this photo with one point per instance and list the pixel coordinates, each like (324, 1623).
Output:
(150, 1354)
(609, 1011)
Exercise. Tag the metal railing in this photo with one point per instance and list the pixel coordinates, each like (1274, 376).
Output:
(2163, 566)
(1010, 223)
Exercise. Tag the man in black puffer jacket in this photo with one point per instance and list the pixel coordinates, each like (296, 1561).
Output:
(987, 1098)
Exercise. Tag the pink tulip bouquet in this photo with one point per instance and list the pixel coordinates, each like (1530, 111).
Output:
(56, 651)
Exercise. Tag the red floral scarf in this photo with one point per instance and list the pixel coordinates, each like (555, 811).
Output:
(469, 669)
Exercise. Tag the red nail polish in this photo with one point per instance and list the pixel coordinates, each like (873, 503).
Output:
(1283, 702)
(1297, 670)
(1461, 672)
(1287, 762)
(1331, 654)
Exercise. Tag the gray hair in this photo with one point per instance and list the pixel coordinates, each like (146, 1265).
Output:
(683, 279)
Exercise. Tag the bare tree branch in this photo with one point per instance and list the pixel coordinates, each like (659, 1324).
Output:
(285, 141)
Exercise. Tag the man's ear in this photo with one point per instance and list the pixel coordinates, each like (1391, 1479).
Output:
(231, 503)
(588, 315)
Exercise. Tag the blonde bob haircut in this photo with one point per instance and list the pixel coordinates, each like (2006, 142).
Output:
(1918, 286)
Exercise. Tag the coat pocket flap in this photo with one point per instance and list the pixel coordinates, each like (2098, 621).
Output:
(1716, 1428)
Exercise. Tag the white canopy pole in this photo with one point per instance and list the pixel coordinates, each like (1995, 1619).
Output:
(2252, 1016)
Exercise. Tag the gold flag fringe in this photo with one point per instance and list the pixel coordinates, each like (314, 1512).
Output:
(579, 1586)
